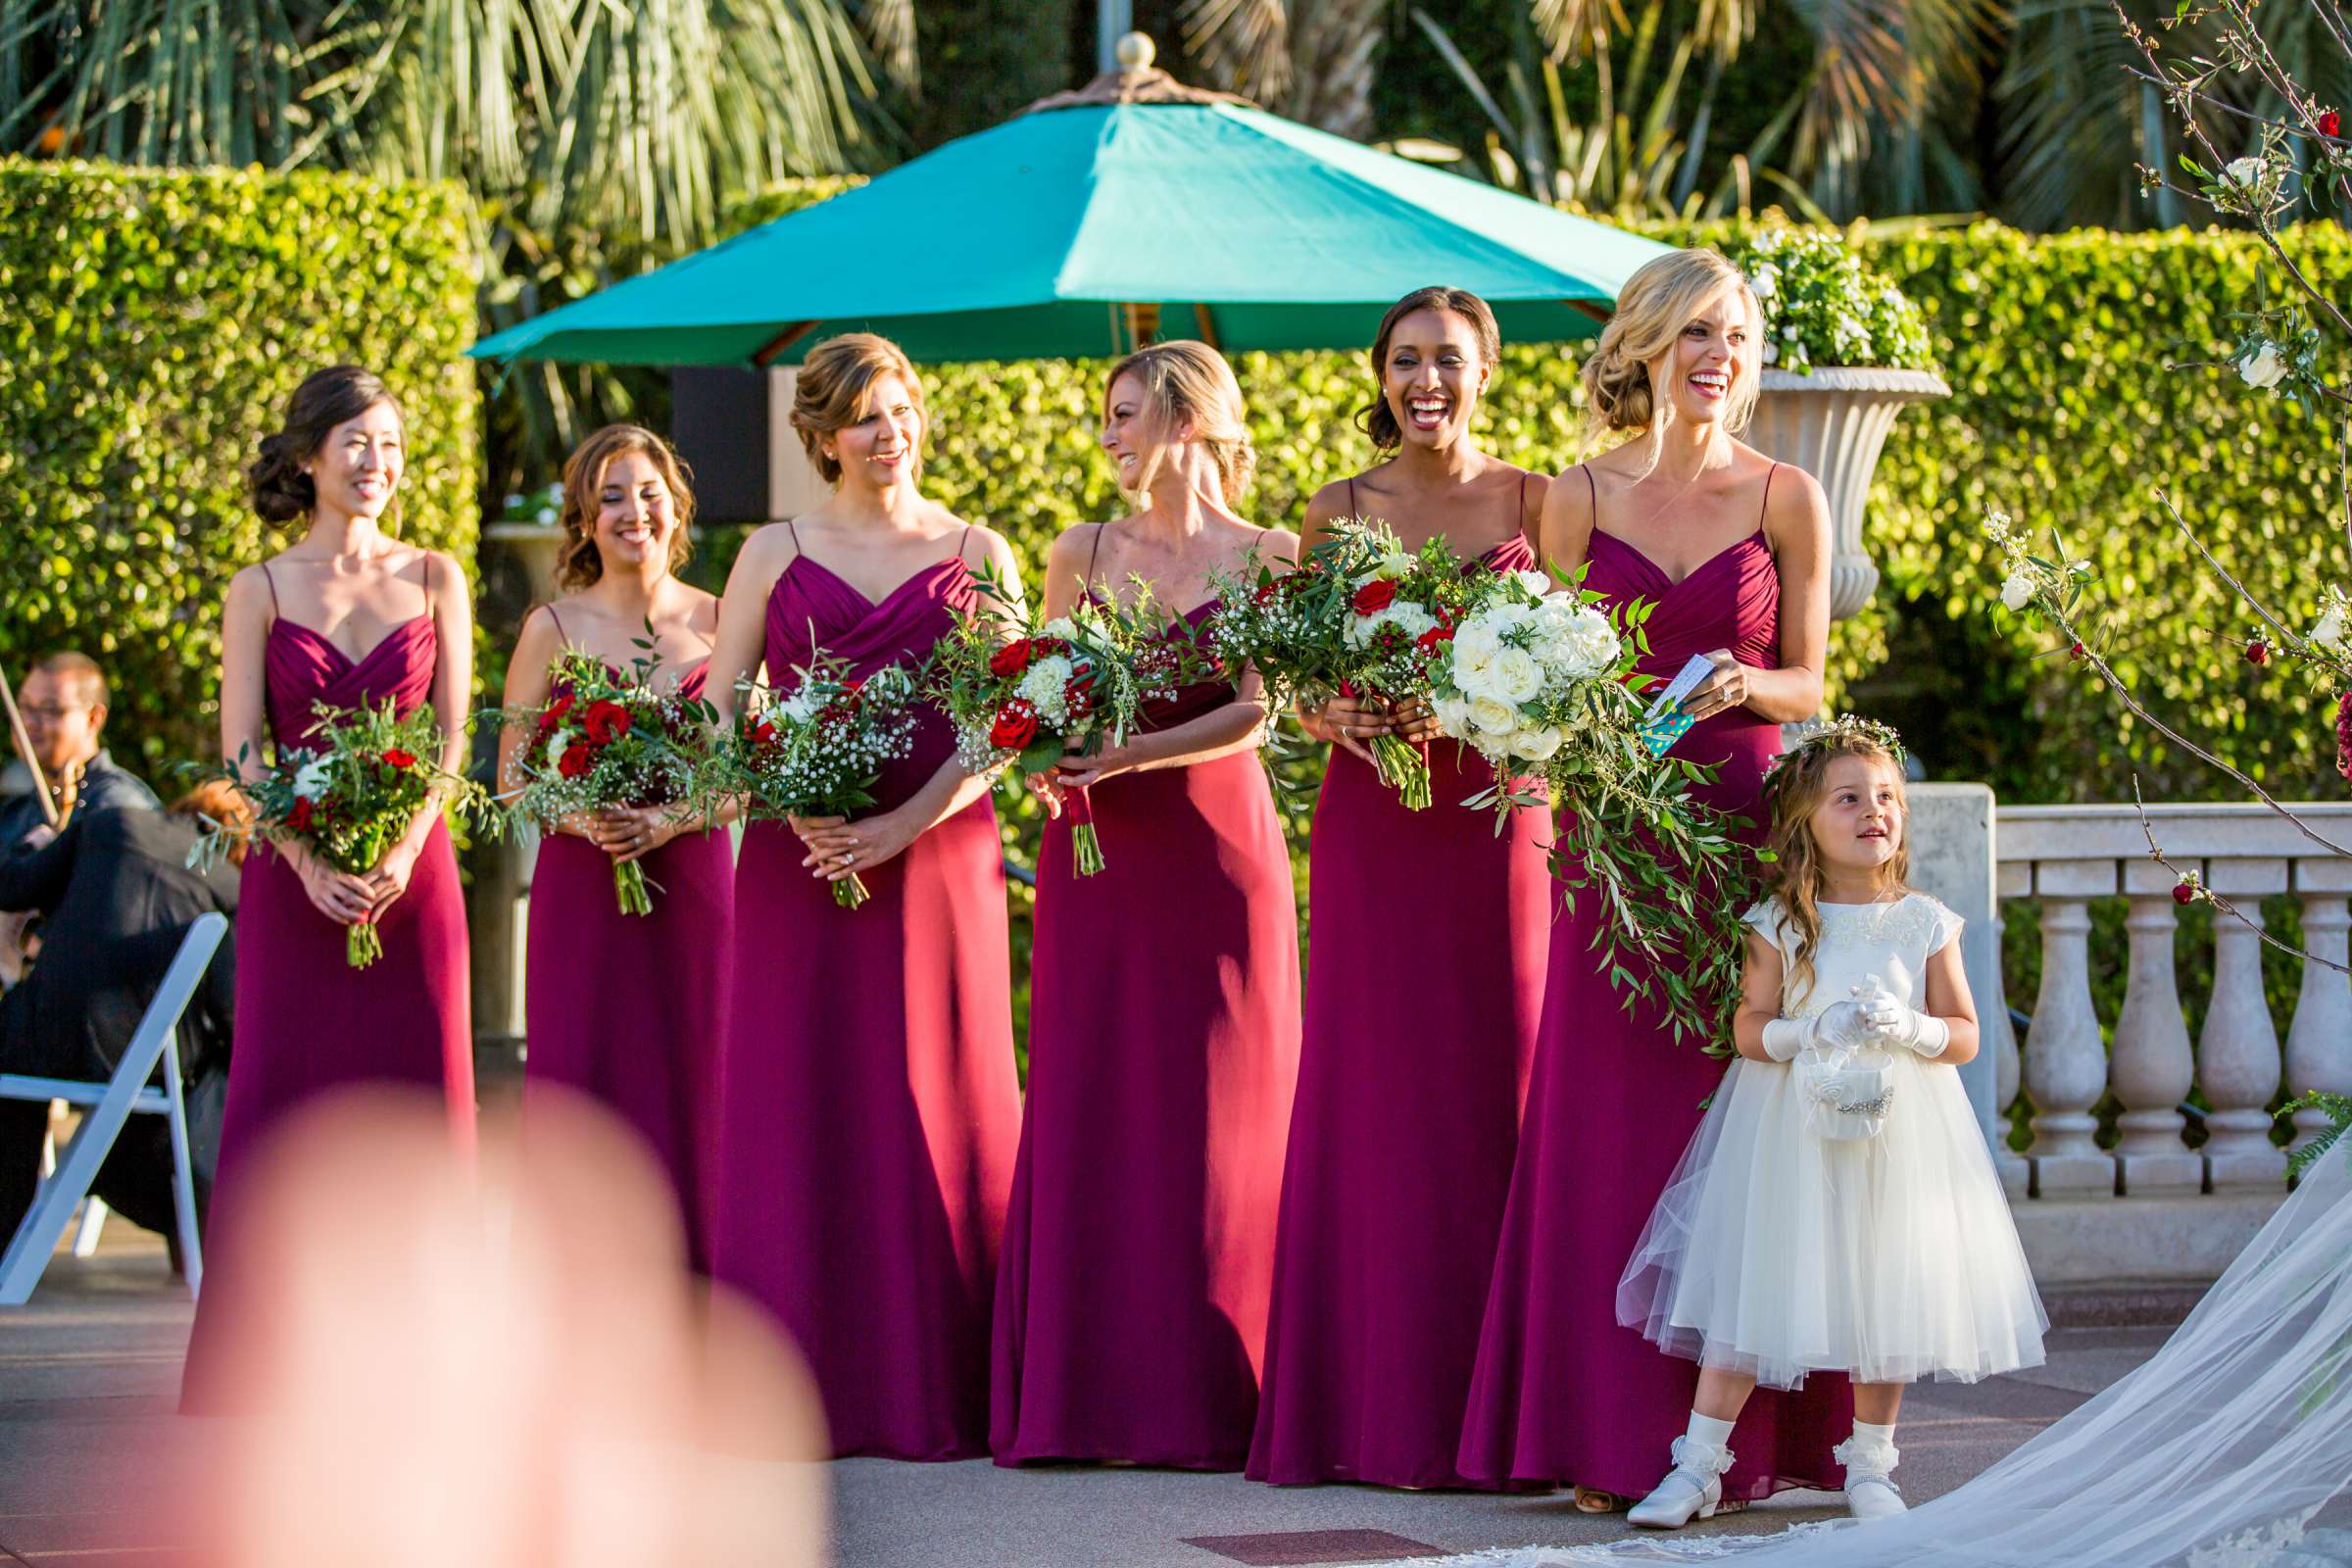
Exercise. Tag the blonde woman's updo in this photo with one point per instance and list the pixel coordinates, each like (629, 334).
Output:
(1187, 380)
(836, 387)
(1656, 303)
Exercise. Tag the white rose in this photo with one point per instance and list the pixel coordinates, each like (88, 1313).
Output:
(1453, 715)
(1059, 626)
(2017, 590)
(309, 779)
(1766, 282)
(2265, 367)
(1492, 716)
(1537, 583)
(1536, 744)
(2328, 630)
(1394, 564)
(1517, 677)
(1475, 645)
(1477, 682)
(2243, 173)
(801, 707)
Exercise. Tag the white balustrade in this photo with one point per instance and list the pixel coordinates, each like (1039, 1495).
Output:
(2067, 855)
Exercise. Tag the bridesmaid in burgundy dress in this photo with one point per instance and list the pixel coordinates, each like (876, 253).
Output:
(1163, 1036)
(348, 617)
(868, 1107)
(1408, 1085)
(646, 1048)
(1734, 551)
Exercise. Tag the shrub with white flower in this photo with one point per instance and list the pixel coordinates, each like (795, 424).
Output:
(1543, 685)
(1823, 307)
(1362, 617)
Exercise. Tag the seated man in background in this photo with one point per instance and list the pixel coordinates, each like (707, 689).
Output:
(117, 897)
(64, 707)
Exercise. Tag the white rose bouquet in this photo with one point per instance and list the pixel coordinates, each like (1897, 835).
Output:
(1362, 617)
(1544, 686)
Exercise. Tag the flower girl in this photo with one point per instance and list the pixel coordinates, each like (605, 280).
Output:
(1838, 1209)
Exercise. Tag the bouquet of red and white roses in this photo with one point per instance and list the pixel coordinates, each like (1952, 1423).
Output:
(604, 741)
(819, 751)
(1543, 685)
(1034, 693)
(348, 792)
(1362, 617)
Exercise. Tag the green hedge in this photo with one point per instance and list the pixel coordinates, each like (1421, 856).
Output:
(154, 323)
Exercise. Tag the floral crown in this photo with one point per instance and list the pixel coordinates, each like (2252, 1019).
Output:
(1821, 733)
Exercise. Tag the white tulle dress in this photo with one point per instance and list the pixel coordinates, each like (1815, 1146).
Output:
(1789, 1243)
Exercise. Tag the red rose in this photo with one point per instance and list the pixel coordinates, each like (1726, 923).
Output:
(2329, 125)
(2078, 651)
(1266, 592)
(396, 757)
(577, 759)
(763, 733)
(1429, 640)
(606, 721)
(299, 819)
(2258, 652)
(557, 710)
(1375, 596)
(1011, 659)
(1015, 726)
(2185, 893)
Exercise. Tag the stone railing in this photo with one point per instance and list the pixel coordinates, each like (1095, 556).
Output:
(2066, 856)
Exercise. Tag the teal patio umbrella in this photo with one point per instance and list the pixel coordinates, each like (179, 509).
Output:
(1132, 209)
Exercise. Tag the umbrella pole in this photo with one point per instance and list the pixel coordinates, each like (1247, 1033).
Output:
(24, 744)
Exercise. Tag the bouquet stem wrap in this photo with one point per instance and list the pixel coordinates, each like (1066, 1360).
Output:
(1086, 846)
(630, 889)
(849, 892)
(363, 943)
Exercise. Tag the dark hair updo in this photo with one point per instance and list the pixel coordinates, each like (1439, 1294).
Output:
(1378, 420)
(281, 491)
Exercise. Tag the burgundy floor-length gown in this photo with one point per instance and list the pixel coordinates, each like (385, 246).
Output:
(1561, 1393)
(307, 1022)
(1164, 1046)
(628, 1009)
(1424, 984)
(868, 1104)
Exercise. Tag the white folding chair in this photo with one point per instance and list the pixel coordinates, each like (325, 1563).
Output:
(110, 1104)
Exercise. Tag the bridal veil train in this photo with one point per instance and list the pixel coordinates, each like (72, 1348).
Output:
(2216, 1453)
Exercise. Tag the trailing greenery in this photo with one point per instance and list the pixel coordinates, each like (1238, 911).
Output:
(154, 324)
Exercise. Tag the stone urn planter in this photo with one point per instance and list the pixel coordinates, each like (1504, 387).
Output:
(1832, 424)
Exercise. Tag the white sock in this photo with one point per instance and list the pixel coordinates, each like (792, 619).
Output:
(1716, 1434)
(1874, 1440)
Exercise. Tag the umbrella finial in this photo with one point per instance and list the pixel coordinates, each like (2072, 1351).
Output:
(1134, 81)
(1134, 51)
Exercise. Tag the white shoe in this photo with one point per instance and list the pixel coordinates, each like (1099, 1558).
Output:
(1691, 1490)
(1870, 1488)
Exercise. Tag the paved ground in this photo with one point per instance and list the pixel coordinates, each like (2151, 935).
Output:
(89, 1373)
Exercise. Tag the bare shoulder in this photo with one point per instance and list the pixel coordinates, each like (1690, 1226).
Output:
(1327, 506)
(994, 547)
(248, 592)
(442, 573)
(1075, 544)
(1797, 506)
(1274, 544)
(769, 545)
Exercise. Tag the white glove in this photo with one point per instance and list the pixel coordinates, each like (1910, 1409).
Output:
(1841, 1026)
(1893, 1023)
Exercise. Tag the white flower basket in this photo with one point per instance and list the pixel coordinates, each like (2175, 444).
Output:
(1832, 424)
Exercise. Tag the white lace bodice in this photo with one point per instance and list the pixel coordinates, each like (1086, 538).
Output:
(1892, 941)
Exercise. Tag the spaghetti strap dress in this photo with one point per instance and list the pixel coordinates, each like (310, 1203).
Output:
(1164, 1046)
(869, 1106)
(1409, 1085)
(308, 1023)
(1561, 1393)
